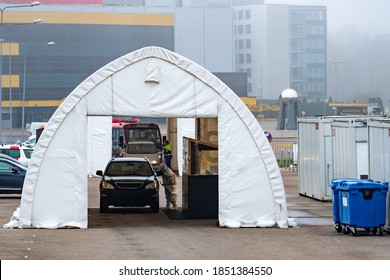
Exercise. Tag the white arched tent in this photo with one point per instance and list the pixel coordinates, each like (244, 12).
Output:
(151, 82)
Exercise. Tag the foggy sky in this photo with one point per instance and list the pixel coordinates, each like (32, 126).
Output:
(372, 16)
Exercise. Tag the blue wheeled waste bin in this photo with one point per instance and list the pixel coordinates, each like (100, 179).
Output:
(362, 204)
(335, 199)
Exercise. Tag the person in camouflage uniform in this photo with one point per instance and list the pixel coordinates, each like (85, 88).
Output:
(169, 183)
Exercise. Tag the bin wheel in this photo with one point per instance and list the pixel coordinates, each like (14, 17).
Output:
(381, 231)
(338, 228)
(374, 231)
(354, 231)
(346, 230)
(367, 229)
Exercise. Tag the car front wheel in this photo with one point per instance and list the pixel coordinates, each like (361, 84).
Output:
(103, 206)
(154, 206)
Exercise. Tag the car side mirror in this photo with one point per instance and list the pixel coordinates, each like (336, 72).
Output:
(159, 173)
(99, 173)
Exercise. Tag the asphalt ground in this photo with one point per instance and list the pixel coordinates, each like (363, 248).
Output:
(138, 234)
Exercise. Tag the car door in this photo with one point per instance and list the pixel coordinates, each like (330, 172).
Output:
(11, 178)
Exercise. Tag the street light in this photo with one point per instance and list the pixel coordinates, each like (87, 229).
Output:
(32, 4)
(36, 21)
(9, 26)
(335, 63)
(24, 77)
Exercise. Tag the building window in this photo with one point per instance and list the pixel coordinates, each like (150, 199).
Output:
(240, 44)
(315, 87)
(249, 72)
(247, 14)
(6, 117)
(240, 29)
(248, 29)
(240, 15)
(248, 58)
(240, 58)
(248, 43)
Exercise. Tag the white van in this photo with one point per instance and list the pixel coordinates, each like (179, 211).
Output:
(30, 142)
(32, 127)
(146, 149)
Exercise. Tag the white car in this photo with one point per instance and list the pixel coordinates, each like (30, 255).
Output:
(30, 142)
(19, 152)
(146, 149)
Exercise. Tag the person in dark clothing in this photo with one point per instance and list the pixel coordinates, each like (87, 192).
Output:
(167, 153)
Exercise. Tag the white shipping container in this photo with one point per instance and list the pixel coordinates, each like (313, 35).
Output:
(315, 157)
(379, 156)
(350, 148)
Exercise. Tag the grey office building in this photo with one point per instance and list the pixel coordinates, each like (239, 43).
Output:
(257, 49)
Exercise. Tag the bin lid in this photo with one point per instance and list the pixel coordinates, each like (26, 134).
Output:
(337, 181)
(362, 185)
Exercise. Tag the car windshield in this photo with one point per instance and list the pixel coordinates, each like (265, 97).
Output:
(144, 148)
(30, 141)
(28, 152)
(125, 168)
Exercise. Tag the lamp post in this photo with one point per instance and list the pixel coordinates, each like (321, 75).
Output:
(261, 81)
(335, 63)
(24, 77)
(32, 4)
(36, 21)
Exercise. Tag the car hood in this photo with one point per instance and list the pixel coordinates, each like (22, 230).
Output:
(129, 178)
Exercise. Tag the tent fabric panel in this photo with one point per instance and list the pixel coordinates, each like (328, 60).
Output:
(104, 93)
(132, 94)
(266, 154)
(60, 192)
(185, 128)
(270, 164)
(28, 193)
(206, 100)
(99, 135)
(250, 198)
(171, 98)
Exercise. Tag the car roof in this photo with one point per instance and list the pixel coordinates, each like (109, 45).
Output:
(5, 156)
(8, 146)
(11, 159)
(143, 142)
(141, 159)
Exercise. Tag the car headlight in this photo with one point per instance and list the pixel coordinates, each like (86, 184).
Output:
(152, 185)
(106, 185)
(153, 162)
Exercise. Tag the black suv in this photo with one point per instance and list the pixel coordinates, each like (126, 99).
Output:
(128, 181)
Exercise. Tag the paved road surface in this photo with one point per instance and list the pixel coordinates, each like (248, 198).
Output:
(142, 235)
